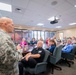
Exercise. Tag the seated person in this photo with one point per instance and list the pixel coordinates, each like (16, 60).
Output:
(47, 40)
(67, 48)
(23, 42)
(31, 59)
(33, 41)
(41, 39)
(52, 45)
(73, 40)
(64, 40)
(28, 40)
(59, 42)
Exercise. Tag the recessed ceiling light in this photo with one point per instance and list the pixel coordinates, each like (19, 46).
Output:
(5, 7)
(58, 26)
(40, 24)
(53, 18)
(72, 24)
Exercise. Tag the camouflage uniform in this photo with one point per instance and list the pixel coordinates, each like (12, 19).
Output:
(8, 55)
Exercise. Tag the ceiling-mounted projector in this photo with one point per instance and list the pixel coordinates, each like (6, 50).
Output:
(54, 21)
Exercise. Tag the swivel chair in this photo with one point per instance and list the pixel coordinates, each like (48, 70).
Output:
(69, 57)
(40, 67)
(55, 58)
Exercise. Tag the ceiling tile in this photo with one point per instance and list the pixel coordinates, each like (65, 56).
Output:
(61, 6)
(38, 11)
(6, 1)
(72, 2)
(5, 14)
(20, 3)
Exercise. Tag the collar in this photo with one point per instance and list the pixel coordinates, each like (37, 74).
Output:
(3, 30)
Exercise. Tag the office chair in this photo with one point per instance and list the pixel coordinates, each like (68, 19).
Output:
(40, 67)
(75, 51)
(69, 57)
(55, 58)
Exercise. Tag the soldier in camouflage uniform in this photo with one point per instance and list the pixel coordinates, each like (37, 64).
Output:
(8, 54)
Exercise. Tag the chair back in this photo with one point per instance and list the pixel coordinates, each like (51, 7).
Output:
(40, 67)
(47, 54)
(74, 49)
(70, 55)
(57, 53)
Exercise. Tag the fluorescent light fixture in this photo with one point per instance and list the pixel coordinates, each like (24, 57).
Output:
(53, 18)
(72, 24)
(74, 5)
(40, 24)
(5, 7)
(58, 26)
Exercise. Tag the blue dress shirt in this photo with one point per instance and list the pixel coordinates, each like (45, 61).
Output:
(67, 48)
(52, 47)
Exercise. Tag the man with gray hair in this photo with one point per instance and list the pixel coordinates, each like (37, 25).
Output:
(68, 47)
(8, 53)
(32, 58)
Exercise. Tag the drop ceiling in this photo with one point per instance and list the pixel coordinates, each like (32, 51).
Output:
(33, 12)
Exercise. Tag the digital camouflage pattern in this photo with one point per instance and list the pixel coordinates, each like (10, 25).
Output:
(9, 56)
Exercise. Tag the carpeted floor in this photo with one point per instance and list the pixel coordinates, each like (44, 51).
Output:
(65, 70)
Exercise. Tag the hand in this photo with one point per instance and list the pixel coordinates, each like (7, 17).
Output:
(18, 47)
(23, 57)
(27, 54)
(27, 57)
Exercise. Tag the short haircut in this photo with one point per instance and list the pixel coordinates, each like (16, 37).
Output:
(53, 41)
(4, 19)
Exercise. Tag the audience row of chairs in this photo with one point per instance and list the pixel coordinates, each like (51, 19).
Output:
(69, 57)
(53, 59)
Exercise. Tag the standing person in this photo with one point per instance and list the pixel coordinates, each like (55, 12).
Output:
(8, 53)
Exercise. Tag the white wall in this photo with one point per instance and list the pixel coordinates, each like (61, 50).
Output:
(67, 33)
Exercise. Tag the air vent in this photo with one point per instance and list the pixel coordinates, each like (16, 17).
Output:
(19, 10)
